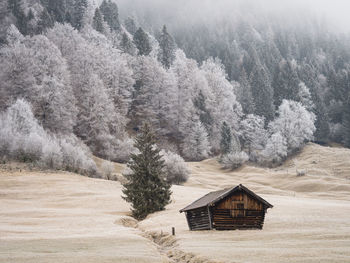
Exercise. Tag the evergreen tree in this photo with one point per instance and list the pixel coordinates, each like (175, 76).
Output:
(142, 42)
(110, 13)
(16, 8)
(30, 23)
(57, 10)
(286, 83)
(147, 189)
(226, 139)
(130, 25)
(126, 45)
(79, 10)
(202, 111)
(97, 22)
(262, 92)
(244, 95)
(167, 48)
(45, 21)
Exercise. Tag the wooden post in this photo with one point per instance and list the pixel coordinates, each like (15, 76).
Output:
(173, 230)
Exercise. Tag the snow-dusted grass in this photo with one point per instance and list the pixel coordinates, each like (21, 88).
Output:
(62, 217)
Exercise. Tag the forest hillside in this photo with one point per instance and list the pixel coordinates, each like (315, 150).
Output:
(79, 78)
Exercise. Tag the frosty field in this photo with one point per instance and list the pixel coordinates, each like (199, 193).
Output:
(63, 217)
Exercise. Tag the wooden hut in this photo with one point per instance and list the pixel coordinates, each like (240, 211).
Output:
(228, 209)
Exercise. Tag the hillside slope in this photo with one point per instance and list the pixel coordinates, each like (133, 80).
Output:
(63, 217)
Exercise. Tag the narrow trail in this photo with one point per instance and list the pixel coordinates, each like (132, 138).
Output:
(166, 244)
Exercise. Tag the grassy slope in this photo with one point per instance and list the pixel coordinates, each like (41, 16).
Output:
(62, 217)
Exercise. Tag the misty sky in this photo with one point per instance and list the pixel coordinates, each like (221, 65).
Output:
(334, 11)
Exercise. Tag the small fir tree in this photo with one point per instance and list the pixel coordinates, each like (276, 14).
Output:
(110, 14)
(203, 112)
(167, 48)
(142, 42)
(130, 25)
(97, 22)
(226, 139)
(45, 21)
(126, 45)
(16, 8)
(147, 189)
(79, 10)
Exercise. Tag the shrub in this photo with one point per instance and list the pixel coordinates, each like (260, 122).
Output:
(76, 157)
(274, 152)
(51, 154)
(233, 160)
(175, 167)
(107, 169)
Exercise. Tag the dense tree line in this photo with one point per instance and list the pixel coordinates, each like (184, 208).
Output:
(87, 73)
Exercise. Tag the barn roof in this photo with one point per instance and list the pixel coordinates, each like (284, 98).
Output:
(214, 197)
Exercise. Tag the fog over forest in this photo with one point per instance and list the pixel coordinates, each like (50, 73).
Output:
(181, 12)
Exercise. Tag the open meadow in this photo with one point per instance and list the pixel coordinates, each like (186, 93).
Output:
(64, 217)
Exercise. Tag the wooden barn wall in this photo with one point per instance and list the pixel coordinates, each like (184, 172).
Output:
(198, 219)
(225, 217)
(238, 197)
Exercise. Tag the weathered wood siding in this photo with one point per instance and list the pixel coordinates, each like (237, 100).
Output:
(239, 211)
(198, 219)
(237, 198)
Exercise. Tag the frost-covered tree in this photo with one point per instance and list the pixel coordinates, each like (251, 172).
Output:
(253, 132)
(286, 82)
(97, 80)
(17, 10)
(189, 82)
(262, 92)
(126, 45)
(142, 42)
(175, 167)
(57, 10)
(130, 25)
(222, 102)
(294, 123)
(146, 74)
(110, 14)
(167, 48)
(97, 22)
(23, 139)
(196, 146)
(44, 81)
(304, 97)
(275, 151)
(233, 160)
(45, 21)
(146, 189)
(79, 9)
(244, 94)
(203, 112)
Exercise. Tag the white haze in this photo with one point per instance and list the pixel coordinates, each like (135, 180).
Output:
(332, 12)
